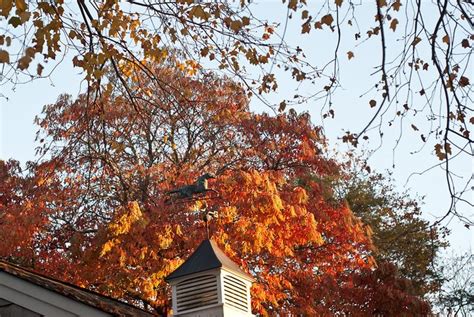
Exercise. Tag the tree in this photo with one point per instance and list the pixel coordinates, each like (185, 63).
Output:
(395, 219)
(380, 292)
(115, 167)
(17, 209)
(456, 294)
(421, 70)
(26, 210)
(106, 186)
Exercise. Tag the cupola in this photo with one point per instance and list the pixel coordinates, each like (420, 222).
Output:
(209, 284)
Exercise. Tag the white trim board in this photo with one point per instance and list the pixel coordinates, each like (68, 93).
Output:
(43, 301)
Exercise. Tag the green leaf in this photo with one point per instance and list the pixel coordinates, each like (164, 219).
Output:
(15, 21)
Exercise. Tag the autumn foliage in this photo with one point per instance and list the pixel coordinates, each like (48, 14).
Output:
(97, 213)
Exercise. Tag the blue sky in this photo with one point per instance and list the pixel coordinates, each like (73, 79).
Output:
(17, 131)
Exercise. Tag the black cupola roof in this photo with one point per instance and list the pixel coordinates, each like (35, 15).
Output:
(206, 257)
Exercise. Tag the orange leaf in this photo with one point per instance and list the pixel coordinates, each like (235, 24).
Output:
(393, 24)
(327, 19)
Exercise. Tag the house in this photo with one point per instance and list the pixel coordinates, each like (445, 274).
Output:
(28, 294)
(207, 284)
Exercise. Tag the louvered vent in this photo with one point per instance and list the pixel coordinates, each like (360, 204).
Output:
(235, 293)
(196, 292)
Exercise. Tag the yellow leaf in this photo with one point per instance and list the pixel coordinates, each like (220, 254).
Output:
(30, 51)
(24, 16)
(199, 12)
(338, 2)
(350, 55)
(4, 57)
(108, 246)
(124, 223)
(236, 26)
(20, 5)
(6, 6)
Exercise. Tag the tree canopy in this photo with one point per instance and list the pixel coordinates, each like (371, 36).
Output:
(99, 201)
(168, 95)
(422, 57)
(456, 296)
(396, 222)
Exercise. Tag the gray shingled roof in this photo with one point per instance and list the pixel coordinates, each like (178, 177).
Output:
(206, 257)
(101, 302)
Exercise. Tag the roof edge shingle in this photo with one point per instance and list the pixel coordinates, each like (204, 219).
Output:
(107, 304)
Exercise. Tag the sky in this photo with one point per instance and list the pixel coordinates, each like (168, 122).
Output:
(17, 113)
